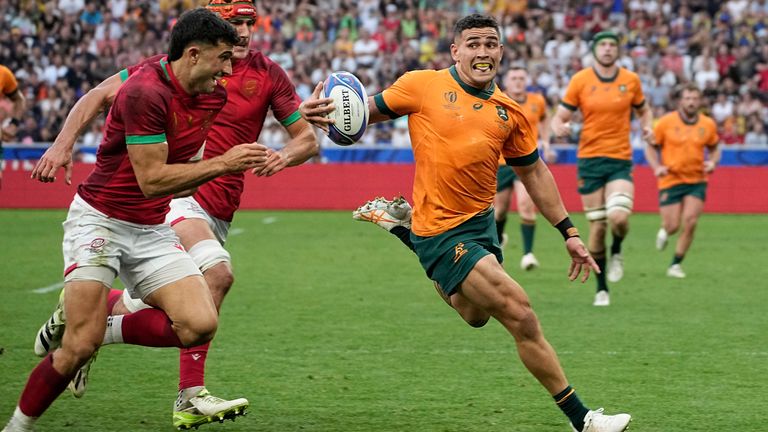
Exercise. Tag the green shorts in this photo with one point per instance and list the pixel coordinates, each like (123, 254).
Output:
(675, 194)
(595, 173)
(505, 177)
(450, 256)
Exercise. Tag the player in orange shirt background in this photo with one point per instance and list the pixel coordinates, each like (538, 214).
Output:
(687, 141)
(10, 89)
(607, 96)
(534, 108)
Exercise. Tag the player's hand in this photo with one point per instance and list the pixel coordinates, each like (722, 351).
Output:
(661, 171)
(55, 157)
(581, 260)
(648, 135)
(709, 166)
(276, 162)
(561, 129)
(315, 110)
(245, 156)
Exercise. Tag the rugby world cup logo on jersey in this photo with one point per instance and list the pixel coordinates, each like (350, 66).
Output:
(622, 88)
(450, 97)
(250, 87)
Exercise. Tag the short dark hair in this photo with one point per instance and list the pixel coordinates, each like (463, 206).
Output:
(687, 87)
(475, 21)
(202, 26)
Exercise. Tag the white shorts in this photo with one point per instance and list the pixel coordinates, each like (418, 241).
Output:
(140, 254)
(188, 208)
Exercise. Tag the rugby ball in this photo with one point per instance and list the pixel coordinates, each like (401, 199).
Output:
(351, 113)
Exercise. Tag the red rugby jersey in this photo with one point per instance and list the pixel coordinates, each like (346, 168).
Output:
(150, 108)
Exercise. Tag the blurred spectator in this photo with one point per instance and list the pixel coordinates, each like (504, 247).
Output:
(59, 49)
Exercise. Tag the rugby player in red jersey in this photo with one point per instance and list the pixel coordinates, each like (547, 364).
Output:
(202, 220)
(115, 226)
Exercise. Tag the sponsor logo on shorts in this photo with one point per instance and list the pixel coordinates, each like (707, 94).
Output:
(459, 252)
(97, 245)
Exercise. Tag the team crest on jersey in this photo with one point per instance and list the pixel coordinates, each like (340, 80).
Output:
(450, 97)
(622, 88)
(250, 87)
(502, 112)
(477, 106)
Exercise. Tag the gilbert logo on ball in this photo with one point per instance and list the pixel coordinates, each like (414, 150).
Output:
(351, 113)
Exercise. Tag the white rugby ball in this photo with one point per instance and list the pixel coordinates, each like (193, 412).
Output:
(351, 113)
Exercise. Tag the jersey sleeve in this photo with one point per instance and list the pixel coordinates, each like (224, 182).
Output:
(144, 112)
(404, 96)
(638, 100)
(284, 100)
(8, 81)
(571, 98)
(521, 148)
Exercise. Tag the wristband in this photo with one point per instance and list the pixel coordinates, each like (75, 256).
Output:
(15, 121)
(567, 229)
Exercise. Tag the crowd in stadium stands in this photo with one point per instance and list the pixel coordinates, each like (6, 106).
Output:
(59, 49)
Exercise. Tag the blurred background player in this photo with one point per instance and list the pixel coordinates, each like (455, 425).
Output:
(607, 95)
(10, 90)
(115, 222)
(202, 221)
(534, 108)
(687, 141)
(453, 231)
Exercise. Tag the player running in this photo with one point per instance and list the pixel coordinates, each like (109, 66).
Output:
(202, 220)
(687, 141)
(607, 95)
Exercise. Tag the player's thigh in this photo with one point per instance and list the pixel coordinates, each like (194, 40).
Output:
(670, 216)
(185, 301)
(622, 186)
(85, 307)
(693, 206)
(489, 287)
(525, 207)
(594, 200)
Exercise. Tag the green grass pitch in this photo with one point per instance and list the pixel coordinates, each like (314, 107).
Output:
(332, 326)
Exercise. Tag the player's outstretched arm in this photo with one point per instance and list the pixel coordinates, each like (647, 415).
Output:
(85, 110)
(542, 188)
(157, 178)
(302, 146)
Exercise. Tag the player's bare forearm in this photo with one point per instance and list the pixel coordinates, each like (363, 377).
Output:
(303, 144)
(560, 124)
(156, 178)
(374, 115)
(652, 156)
(542, 188)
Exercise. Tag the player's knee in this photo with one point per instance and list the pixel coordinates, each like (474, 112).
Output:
(219, 279)
(690, 222)
(618, 206)
(79, 350)
(199, 331)
(477, 322)
(527, 327)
